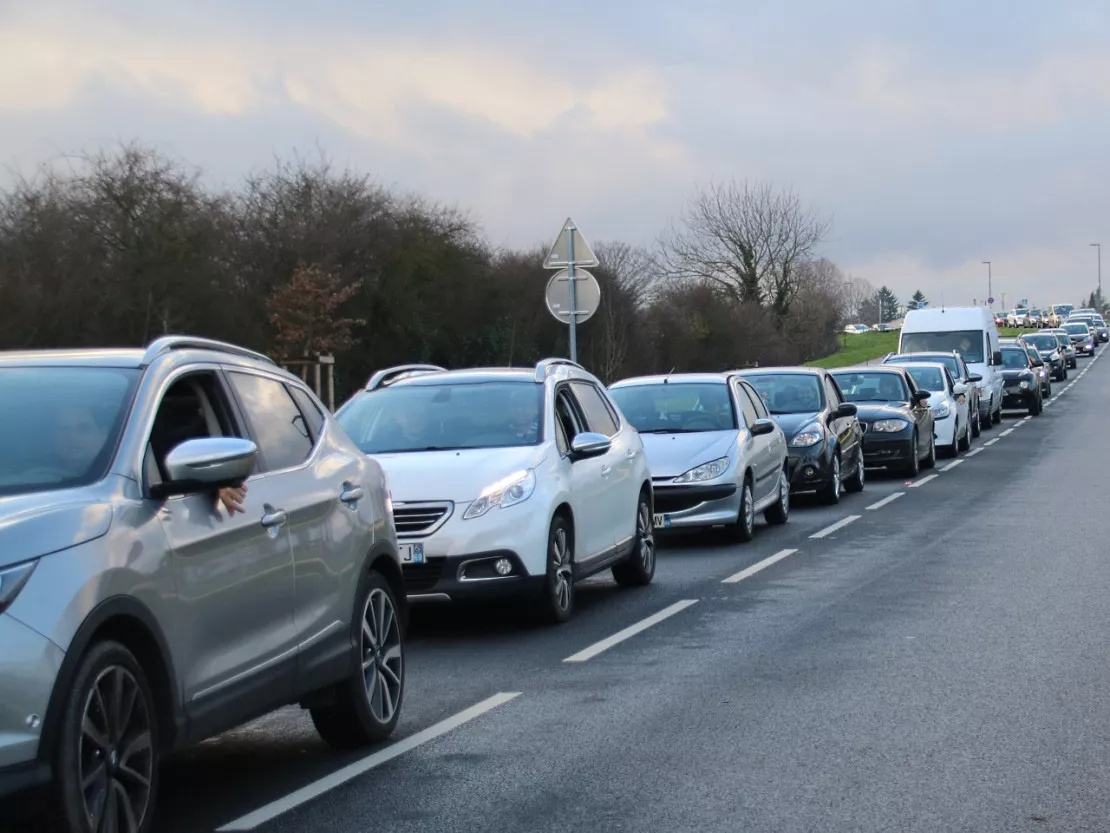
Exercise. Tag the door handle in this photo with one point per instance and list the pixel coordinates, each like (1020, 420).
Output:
(274, 518)
(632, 453)
(351, 494)
(606, 471)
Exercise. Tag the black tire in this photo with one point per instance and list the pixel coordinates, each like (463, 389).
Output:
(977, 424)
(913, 467)
(964, 443)
(639, 568)
(931, 461)
(363, 711)
(744, 528)
(557, 597)
(858, 480)
(1047, 393)
(830, 493)
(779, 513)
(1037, 407)
(111, 672)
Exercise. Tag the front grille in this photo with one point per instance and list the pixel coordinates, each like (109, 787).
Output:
(420, 578)
(420, 518)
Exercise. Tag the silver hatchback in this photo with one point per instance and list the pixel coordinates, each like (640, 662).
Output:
(137, 615)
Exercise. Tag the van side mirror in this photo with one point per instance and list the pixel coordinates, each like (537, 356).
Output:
(996, 357)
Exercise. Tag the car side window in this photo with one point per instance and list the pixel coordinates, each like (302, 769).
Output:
(568, 416)
(948, 378)
(593, 404)
(309, 411)
(757, 400)
(194, 407)
(746, 405)
(279, 428)
(833, 393)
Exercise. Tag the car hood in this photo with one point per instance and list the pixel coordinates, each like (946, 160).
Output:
(874, 411)
(45, 522)
(670, 455)
(458, 476)
(791, 424)
(1015, 373)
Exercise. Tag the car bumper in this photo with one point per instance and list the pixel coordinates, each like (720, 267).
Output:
(894, 450)
(29, 666)
(1014, 398)
(808, 469)
(696, 505)
(458, 558)
(945, 430)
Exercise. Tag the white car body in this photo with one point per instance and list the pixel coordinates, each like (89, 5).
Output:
(951, 411)
(943, 329)
(464, 515)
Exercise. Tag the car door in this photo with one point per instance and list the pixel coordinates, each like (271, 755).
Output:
(234, 573)
(776, 442)
(589, 481)
(963, 412)
(765, 459)
(317, 487)
(846, 429)
(624, 488)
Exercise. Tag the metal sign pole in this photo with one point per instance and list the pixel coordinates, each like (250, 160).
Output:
(573, 302)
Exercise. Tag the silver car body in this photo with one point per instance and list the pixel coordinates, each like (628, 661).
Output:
(685, 501)
(230, 617)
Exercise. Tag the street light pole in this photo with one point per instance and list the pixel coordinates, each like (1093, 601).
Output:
(1098, 248)
(990, 288)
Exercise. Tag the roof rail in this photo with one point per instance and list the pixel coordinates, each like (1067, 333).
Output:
(391, 374)
(544, 366)
(166, 344)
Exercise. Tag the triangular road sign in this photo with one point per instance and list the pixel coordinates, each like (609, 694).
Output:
(559, 256)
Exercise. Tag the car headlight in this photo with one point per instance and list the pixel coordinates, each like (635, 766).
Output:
(942, 410)
(808, 436)
(890, 426)
(1023, 385)
(706, 471)
(12, 580)
(509, 491)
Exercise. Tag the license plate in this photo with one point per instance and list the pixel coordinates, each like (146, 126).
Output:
(412, 553)
(661, 520)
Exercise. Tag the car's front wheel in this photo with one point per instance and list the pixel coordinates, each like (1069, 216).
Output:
(639, 569)
(107, 771)
(830, 494)
(744, 528)
(367, 705)
(779, 512)
(557, 601)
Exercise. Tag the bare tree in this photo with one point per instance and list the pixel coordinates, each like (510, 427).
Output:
(858, 292)
(746, 238)
(626, 274)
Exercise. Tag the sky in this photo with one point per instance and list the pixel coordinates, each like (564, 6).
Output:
(935, 135)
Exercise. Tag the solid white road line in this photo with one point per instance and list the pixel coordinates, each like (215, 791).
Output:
(630, 631)
(953, 465)
(923, 481)
(886, 500)
(329, 782)
(989, 443)
(829, 530)
(760, 565)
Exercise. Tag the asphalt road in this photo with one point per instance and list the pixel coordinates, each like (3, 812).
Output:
(934, 664)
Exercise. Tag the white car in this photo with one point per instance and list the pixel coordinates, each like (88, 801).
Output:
(507, 481)
(717, 458)
(948, 401)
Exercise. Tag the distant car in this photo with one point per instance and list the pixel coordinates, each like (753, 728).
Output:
(1082, 337)
(960, 372)
(898, 425)
(1101, 329)
(1019, 318)
(882, 328)
(1067, 348)
(1021, 384)
(1048, 348)
(823, 434)
(716, 456)
(507, 482)
(856, 329)
(948, 401)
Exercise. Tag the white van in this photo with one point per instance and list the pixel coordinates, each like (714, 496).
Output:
(971, 332)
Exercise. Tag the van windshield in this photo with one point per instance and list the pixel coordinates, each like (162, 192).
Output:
(968, 343)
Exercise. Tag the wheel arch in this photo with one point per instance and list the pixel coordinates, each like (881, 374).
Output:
(383, 559)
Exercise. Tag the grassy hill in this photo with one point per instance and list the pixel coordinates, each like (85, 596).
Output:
(859, 349)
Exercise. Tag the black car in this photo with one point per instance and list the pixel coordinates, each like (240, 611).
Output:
(1066, 347)
(1021, 384)
(1048, 348)
(894, 414)
(1040, 367)
(824, 438)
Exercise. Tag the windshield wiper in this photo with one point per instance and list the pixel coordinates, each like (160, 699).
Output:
(681, 430)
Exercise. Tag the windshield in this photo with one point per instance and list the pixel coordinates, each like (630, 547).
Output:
(1062, 309)
(968, 343)
(1042, 342)
(789, 393)
(676, 407)
(1078, 329)
(1063, 340)
(928, 378)
(1014, 359)
(59, 426)
(872, 386)
(947, 359)
(445, 417)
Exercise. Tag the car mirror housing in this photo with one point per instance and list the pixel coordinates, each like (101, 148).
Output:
(206, 464)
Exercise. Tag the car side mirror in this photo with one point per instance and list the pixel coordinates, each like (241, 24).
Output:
(762, 427)
(589, 444)
(996, 357)
(847, 409)
(205, 465)
(959, 389)
(974, 379)
(921, 397)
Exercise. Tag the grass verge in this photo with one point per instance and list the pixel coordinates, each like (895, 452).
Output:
(859, 349)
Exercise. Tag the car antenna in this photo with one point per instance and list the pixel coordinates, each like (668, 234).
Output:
(667, 378)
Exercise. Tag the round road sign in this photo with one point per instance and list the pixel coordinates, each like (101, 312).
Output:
(587, 295)
(990, 300)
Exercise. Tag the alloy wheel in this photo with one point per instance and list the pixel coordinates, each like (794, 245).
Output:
(116, 754)
(561, 567)
(645, 534)
(749, 508)
(382, 657)
(784, 492)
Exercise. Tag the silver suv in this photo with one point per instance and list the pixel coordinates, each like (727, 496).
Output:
(138, 617)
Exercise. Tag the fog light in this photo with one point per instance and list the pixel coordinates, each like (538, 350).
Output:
(810, 471)
(503, 566)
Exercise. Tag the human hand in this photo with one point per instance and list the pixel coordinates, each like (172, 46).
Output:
(232, 497)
